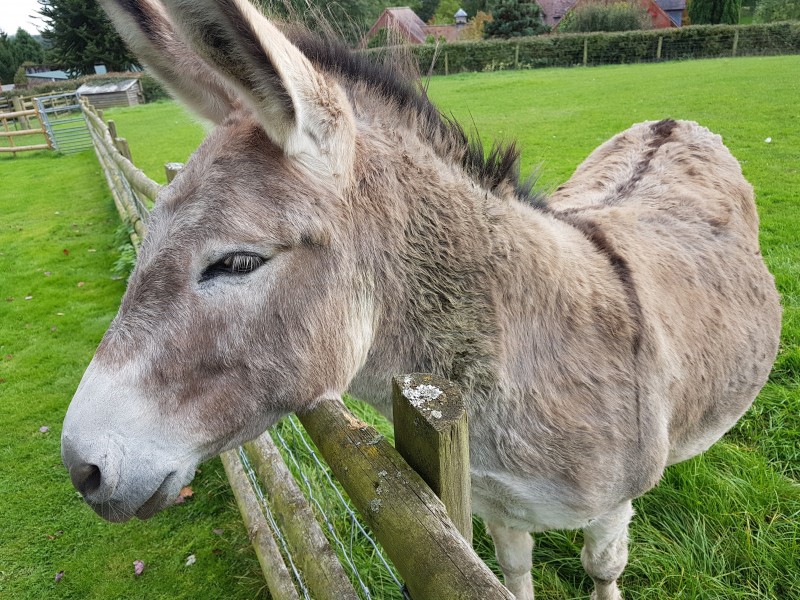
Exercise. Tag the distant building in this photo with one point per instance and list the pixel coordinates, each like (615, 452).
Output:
(405, 22)
(674, 9)
(554, 10)
(38, 75)
(107, 94)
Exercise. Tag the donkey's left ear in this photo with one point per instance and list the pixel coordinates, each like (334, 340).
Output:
(303, 111)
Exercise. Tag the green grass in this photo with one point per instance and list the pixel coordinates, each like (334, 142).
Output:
(724, 525)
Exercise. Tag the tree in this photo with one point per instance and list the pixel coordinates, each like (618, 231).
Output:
(82, 37)
(713, 12)
(515, 18)
(427, 8)
(27, 49)
(8, 62)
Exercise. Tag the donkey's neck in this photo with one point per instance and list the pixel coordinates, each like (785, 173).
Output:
(461, 274)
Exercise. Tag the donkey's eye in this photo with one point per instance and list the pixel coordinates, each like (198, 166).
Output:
(239, 263)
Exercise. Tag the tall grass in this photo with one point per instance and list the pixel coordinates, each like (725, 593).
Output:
(724, 525)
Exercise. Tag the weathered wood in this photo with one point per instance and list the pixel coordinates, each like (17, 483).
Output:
(172, 169)
(279, 581)
(112, 129)
(19, 113)
(19, 106)
(585, 51)
(122, 145)
(735, 42)
(20, 132)
(431, 433)
(322, 571)
(660, 45)
(404, 514)
(24, 148)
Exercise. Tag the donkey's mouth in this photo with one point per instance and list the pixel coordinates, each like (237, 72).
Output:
(161, 498)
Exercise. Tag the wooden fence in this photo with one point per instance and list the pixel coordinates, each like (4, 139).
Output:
(421, 515)
(19, 123)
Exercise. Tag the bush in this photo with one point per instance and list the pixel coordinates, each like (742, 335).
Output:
(768, 11)
(616, 16)
(20, 78)
(703, 41)
(152, 89)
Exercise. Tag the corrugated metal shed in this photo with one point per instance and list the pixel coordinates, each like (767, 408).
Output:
(105, 95)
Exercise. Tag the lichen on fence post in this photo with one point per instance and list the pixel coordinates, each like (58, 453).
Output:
(432, 434)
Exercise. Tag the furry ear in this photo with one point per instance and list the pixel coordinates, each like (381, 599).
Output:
(148, 32)
(303, 111)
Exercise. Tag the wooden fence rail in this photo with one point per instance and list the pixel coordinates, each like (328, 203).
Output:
(21, 117)
(415, 527)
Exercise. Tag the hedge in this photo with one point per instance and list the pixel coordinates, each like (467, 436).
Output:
(566, 50)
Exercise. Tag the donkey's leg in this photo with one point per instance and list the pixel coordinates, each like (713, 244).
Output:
(513, 548)
(605, 551)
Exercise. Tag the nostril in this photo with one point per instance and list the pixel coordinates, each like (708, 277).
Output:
(86, 478)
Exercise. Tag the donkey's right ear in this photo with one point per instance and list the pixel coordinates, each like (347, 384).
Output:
(151, 36)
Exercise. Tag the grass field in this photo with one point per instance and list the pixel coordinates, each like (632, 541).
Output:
(724, 525)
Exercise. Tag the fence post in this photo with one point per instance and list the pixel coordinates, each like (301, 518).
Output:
(19, 106)
(432, 556)
(585, 51)
(172, 169)
(516, 56)
(660, 44)
(122, 146)
(112, 129)
(446, 65)
(735, 42)
(431, 433)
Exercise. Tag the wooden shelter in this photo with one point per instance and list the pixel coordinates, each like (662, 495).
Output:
(101, 95)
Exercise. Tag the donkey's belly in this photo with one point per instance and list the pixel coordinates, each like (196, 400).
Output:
(527, 504)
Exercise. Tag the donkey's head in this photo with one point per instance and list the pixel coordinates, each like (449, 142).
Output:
(245, 271)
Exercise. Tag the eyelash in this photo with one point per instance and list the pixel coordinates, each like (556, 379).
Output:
(233, 264)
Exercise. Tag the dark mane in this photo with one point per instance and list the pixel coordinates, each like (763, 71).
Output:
(498, 167)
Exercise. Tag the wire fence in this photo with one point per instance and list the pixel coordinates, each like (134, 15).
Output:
(373, 576)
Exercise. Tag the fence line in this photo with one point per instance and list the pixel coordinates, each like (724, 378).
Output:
(409, 520)
(20, 117)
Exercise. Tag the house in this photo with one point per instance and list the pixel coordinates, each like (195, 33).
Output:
(554, 10)
(101, 94)
(674, 9)
(405, 22)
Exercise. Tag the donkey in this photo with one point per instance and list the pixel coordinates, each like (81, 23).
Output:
(334, 230)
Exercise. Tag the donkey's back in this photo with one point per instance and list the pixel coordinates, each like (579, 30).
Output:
(671, 201)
